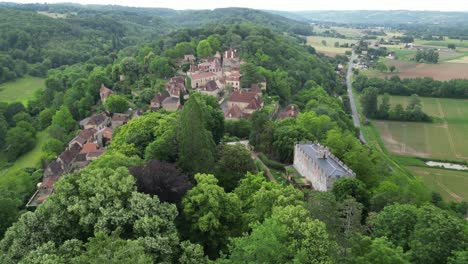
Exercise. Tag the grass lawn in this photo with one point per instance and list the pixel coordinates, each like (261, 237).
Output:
(21, 90)
(16, 181)
(451, 184)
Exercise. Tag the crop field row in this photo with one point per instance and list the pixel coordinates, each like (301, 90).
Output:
(446, 138)
(450, 184)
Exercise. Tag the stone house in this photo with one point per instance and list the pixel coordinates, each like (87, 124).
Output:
(156, 102)
(119, 119)
(233, 79)
(85, 136)
(96, 121)
(171, 104)
(189, 58)
(248, 102)
(202, 78)
(319, 166)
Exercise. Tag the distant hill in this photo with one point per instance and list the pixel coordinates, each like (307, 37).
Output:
(174, 19)
(419, 23)
(37, 37)
(387, 17)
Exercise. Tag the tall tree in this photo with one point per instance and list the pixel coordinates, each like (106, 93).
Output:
(204, 49)
(63, 118)
(211, 215)
(288, 236)
(196, 145)
(234, 162)
(117, 104)
(162, 179)
(364, 250)
(369, 101)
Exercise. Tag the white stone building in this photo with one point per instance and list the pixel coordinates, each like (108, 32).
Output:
(319, 166)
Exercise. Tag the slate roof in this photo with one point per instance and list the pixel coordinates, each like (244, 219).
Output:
(97, 119)
(68, 155)
(331, 165)
(54, 168)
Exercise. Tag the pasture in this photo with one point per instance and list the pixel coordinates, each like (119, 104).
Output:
(451, 184)
(13, 179)
(21, 90)
(445, 139)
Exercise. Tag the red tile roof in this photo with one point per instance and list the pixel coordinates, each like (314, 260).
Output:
(234, 112)
(89, 147)
(107, 133)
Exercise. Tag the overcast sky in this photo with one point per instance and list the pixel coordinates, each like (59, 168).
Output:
(446, 5)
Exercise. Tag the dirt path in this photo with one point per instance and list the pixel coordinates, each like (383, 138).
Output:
(267, 170)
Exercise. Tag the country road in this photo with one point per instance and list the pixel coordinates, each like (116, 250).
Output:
(355, 113)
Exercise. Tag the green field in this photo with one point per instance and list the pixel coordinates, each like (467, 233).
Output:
(445, 139)
(316, 42)
(443, 43)
(451, 184)
(21, 90)
(349, 32)
(18, 183)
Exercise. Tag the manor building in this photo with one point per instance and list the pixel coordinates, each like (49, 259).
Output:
(319, 166)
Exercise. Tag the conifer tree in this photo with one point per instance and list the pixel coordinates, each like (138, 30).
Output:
(196, 145)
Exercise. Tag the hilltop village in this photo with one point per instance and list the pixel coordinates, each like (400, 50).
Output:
(218, 76)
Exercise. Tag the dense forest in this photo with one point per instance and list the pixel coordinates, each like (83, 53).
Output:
(170, 190)
(32, 40)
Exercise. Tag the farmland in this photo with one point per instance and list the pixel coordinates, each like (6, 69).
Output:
(410, 69)
(450, 184)
(21, 90)
(444, 139)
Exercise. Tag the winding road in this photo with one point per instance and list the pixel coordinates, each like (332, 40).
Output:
(355, 113)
